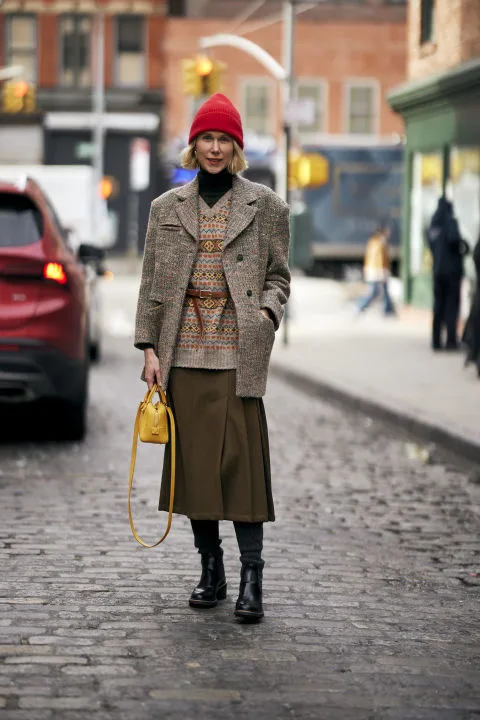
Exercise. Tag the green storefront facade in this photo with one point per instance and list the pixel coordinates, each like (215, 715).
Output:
(442, 154)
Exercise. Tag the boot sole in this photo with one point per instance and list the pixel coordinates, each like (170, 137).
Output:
(249, 616)
(220, 595)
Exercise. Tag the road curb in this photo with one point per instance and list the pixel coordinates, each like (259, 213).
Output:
(421, 429)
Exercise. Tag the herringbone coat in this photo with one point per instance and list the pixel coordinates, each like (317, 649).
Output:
(255, 262)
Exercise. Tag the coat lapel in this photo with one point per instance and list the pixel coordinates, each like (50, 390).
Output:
(187, 208)
(242, 211)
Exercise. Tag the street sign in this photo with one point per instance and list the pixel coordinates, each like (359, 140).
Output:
(300, 112)
(139, 164)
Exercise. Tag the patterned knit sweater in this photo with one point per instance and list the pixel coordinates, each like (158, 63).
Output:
(217, 348)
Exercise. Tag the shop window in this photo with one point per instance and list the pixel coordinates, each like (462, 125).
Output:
(257, 106)
(463, 187)
(315, 92)
(75, 43)
(362, 108)
(130, 50)
(427, 12)
(22, 44)
(427, 187)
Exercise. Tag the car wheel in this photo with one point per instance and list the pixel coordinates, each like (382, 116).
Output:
(74, 417)
(75, 421)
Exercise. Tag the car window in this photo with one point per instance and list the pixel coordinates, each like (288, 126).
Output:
(20, 221)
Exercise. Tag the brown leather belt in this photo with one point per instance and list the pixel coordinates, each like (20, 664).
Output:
(204, 295)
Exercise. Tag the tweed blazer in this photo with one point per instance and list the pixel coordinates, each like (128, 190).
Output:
(255, 263)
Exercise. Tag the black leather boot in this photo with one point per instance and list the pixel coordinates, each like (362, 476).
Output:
(249, 604)
(212, 586)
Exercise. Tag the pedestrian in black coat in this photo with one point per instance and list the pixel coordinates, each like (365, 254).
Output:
(448, 249)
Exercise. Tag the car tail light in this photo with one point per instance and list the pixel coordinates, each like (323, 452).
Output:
(55, 271)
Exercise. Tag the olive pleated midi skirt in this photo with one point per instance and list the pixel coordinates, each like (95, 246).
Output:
(222, 458)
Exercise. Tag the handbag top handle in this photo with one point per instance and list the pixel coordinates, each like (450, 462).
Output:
(156, 389)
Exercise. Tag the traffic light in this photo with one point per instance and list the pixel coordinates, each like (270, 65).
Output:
(307, 170)
(18, 96)
(108, 187)
(202, 76)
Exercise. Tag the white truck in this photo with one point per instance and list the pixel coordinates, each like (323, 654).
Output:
(70, 189)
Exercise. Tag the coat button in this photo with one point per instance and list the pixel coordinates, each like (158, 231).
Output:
(239, 258)
(249, 293)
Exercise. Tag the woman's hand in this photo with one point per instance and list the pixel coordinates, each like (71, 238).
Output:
(265, 313)
(152, 368)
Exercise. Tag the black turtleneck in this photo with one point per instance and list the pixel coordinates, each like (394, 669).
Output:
(212, 186)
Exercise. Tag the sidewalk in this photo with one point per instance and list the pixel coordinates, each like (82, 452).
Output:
(378, 365)
(381, 366)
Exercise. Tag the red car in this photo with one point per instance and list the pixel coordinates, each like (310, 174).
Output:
(44, 343)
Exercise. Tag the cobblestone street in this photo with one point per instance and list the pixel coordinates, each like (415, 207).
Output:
(371, 601)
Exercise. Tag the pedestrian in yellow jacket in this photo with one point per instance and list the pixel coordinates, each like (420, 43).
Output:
(377, 270)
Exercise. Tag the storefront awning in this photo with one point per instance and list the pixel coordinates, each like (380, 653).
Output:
(461, 80)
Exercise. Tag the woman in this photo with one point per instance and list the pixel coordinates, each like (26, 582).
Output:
(215, 279)
(376, 269)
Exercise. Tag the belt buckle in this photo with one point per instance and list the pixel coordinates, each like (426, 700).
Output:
(205, 294)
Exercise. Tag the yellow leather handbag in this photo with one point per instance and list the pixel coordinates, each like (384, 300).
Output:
(154, 423)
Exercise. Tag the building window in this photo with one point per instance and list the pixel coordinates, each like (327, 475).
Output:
(22, 44)
(257, 106)
(427, 10)
(315, 92)
(130, 50)
(362, 108)
(75, 57)
(177, 8)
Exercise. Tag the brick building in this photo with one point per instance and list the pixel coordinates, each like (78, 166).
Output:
(55, 41)
(440, 105)
(347, 56)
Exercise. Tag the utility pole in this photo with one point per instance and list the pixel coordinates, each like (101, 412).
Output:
(288, 95)
(98, 119)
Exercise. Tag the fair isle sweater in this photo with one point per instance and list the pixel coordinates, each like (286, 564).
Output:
(217, 348)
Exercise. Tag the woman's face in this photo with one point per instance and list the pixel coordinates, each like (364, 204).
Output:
(214, 151)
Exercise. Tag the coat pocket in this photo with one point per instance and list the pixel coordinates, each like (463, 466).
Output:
(170, 227)
(163, 285)
(266, 332)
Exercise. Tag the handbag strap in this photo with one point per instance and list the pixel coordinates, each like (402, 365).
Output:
(172, 475)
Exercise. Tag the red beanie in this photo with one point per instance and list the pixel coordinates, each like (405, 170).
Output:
(217, 113)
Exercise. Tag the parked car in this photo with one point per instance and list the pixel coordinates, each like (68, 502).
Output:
(92, 258)
(45, 294)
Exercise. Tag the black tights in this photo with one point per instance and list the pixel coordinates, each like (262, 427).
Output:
(249, 538)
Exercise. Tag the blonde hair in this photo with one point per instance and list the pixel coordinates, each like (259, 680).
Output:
(237, 164)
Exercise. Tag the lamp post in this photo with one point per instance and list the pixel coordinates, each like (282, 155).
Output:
(273, 67)
(285, 74)
(98, 102)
